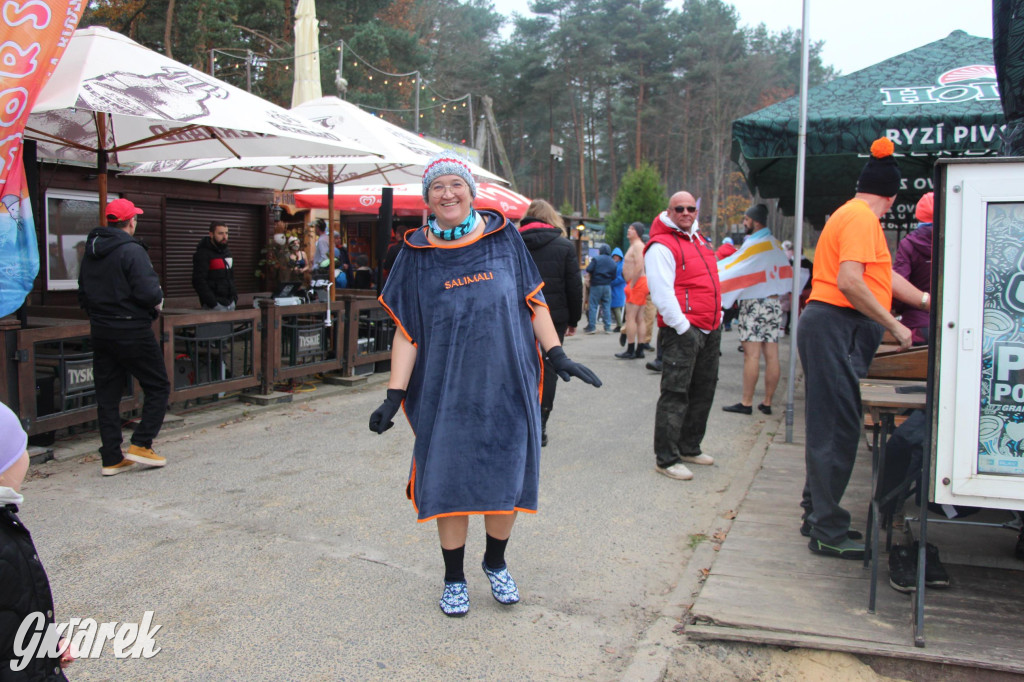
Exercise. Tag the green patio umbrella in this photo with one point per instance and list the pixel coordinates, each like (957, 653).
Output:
(937, 100)
(1008, 49)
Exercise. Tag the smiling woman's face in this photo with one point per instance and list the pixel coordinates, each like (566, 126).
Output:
(449, 199)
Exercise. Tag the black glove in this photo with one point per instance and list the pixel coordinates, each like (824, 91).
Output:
(567, 368)
(380, 420)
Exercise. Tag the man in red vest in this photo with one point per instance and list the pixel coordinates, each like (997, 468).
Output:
(683, 278)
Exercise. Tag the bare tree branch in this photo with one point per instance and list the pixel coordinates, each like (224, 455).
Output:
(262, 36)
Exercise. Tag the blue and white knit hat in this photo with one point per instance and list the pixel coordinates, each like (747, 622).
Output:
(447, 163)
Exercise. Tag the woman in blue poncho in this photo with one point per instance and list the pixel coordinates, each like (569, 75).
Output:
(466, 367)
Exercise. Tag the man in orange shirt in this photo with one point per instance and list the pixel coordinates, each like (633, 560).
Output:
(839, 332)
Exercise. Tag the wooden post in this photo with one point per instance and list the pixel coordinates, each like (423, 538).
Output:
(9, 327)
(492, 123)
(384, 216)
(271, 338)
(101, 164)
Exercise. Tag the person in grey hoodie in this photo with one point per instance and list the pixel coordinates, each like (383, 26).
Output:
(120, 291)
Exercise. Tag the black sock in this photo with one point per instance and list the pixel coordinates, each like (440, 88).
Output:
(494, 555)
(631, 348)
(453, 572)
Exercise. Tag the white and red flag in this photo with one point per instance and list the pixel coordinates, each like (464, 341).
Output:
(758, 270)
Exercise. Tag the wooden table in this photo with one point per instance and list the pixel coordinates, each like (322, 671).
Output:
(884, 400)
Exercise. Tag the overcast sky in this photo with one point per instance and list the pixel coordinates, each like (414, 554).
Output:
(857, 34)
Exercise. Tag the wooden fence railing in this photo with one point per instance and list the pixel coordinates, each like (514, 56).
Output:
(52, 361)
(46, 372)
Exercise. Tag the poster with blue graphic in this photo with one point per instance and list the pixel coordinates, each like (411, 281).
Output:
(19, 254)
(1001, 426)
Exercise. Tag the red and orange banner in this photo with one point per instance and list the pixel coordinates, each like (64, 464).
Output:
(33, 35)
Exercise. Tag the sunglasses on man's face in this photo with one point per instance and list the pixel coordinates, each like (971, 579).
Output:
(684, 209)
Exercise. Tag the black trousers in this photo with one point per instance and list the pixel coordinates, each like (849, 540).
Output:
(730, 314)
(551, 379)
(836, 347)
(689, 376)
(113, 361)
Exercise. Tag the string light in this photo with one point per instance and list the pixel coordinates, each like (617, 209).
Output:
(262, 61)
(370, 109)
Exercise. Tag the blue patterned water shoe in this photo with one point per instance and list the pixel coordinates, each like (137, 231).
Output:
(503, 587)
(455, 599)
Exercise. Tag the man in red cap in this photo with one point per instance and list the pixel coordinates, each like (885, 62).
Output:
(120, 290)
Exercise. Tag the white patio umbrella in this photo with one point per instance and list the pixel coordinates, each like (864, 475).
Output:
(111, 98)
(285, 173)
(307, 54)
(392, 142)
(403, 157)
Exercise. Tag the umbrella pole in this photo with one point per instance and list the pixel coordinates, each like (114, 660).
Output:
(330, 228)
(101, 164)
(798, 228)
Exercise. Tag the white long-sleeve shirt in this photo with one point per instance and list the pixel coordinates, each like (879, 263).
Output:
(661, 277)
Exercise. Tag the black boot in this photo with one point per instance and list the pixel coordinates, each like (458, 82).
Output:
(545, 412)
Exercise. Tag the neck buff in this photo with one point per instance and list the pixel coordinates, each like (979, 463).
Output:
(459, 230)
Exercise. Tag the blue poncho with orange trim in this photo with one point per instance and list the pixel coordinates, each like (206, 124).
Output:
(474, 397)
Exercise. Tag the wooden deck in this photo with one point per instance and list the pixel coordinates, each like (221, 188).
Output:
(767, 587)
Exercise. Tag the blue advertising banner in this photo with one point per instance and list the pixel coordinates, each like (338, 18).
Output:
(1001, 426)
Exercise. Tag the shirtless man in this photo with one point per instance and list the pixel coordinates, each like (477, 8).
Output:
(636, 293)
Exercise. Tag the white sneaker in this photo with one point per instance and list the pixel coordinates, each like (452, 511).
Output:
(707, 460)
(676, 471)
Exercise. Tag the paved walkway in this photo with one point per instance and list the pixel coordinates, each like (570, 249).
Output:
(278, 543)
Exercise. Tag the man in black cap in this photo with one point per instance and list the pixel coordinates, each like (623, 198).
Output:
(839, 332)
(121, 293)
(760, 319)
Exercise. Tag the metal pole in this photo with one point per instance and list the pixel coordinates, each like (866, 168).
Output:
(798, 228)
(416, 122)
(330, 230)
(213, 67)
(248, 70)
(471, 135)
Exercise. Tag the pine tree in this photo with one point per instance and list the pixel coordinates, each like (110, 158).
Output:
(641, 197)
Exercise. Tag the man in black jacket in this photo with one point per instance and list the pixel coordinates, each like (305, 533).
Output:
(121, 292)
(213, 274)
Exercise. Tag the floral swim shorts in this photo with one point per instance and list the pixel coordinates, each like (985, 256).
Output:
(760, 320)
